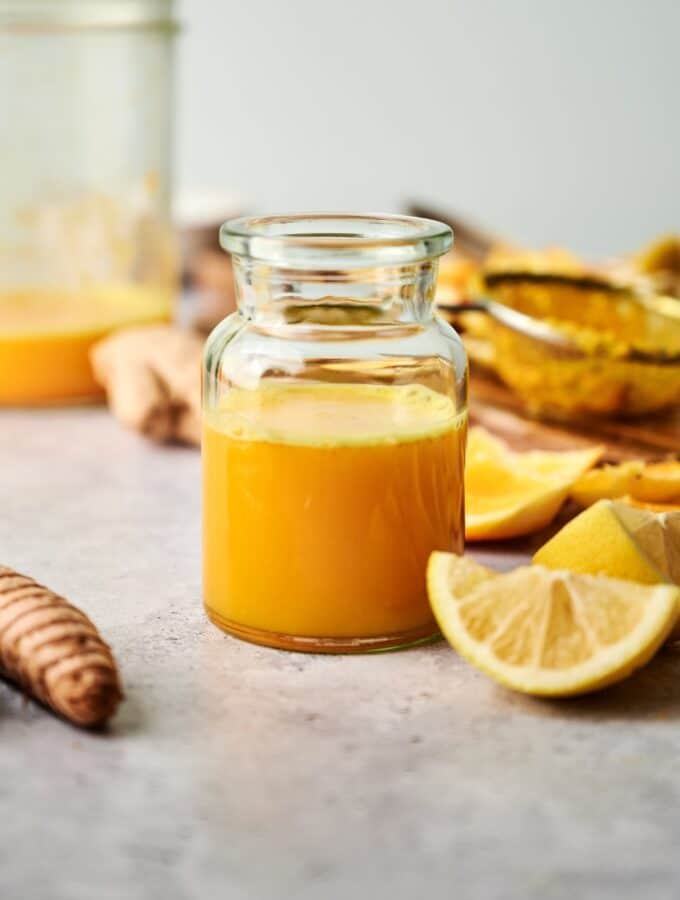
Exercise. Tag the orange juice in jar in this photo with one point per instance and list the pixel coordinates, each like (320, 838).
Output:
(334, 435)
(46, 335)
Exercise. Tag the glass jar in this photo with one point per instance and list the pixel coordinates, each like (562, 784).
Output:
(335, 407)
(85, 238)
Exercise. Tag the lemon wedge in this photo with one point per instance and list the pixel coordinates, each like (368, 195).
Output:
(652, 507)
(656, 483)
(547, 632)
(508, 494)
(615, 539)
(606, 482)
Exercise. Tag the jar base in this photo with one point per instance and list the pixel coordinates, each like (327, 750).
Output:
(424, 634)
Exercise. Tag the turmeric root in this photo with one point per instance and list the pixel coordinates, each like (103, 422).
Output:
(152, 377)
(54, 652)
(212, 276)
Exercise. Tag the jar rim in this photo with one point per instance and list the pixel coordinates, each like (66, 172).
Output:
(60, 15)
(336, 240)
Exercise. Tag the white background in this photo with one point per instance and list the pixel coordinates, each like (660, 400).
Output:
(550, 121)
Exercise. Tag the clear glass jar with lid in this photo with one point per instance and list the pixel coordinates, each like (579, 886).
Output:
(335, 409)
(85, 238)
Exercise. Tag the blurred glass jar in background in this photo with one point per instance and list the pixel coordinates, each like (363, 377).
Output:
(86, 243)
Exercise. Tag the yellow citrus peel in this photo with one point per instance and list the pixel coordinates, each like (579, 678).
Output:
(645, 483)
(616, 539)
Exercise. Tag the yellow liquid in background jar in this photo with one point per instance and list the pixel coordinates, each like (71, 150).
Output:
(46, 336)
(322, 504)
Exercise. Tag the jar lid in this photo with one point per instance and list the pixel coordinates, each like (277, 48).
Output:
(56, 15)
(335, 240)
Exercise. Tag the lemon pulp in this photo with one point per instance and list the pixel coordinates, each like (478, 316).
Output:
(547, 632)
(512, 493)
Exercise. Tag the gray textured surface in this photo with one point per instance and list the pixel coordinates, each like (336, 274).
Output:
(238, 772)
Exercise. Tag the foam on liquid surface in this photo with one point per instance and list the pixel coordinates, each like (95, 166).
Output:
(335, 414)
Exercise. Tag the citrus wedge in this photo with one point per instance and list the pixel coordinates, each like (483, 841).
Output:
(508, 494)
(547, 632)
(615, 539)
(658, 483)
(606, 482)
(652, 507)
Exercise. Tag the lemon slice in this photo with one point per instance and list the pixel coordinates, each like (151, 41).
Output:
(652, 507)
(546, 632)
(508, 494)
(657, 483)
(606, 482)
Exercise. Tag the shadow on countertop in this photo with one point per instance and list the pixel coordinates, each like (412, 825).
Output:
(652, 692)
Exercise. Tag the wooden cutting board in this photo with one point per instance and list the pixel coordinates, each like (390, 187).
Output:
(495, 407)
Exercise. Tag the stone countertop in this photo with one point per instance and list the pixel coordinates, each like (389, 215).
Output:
(235, 771)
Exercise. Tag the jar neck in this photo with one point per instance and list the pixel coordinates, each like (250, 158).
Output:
(328, 296)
